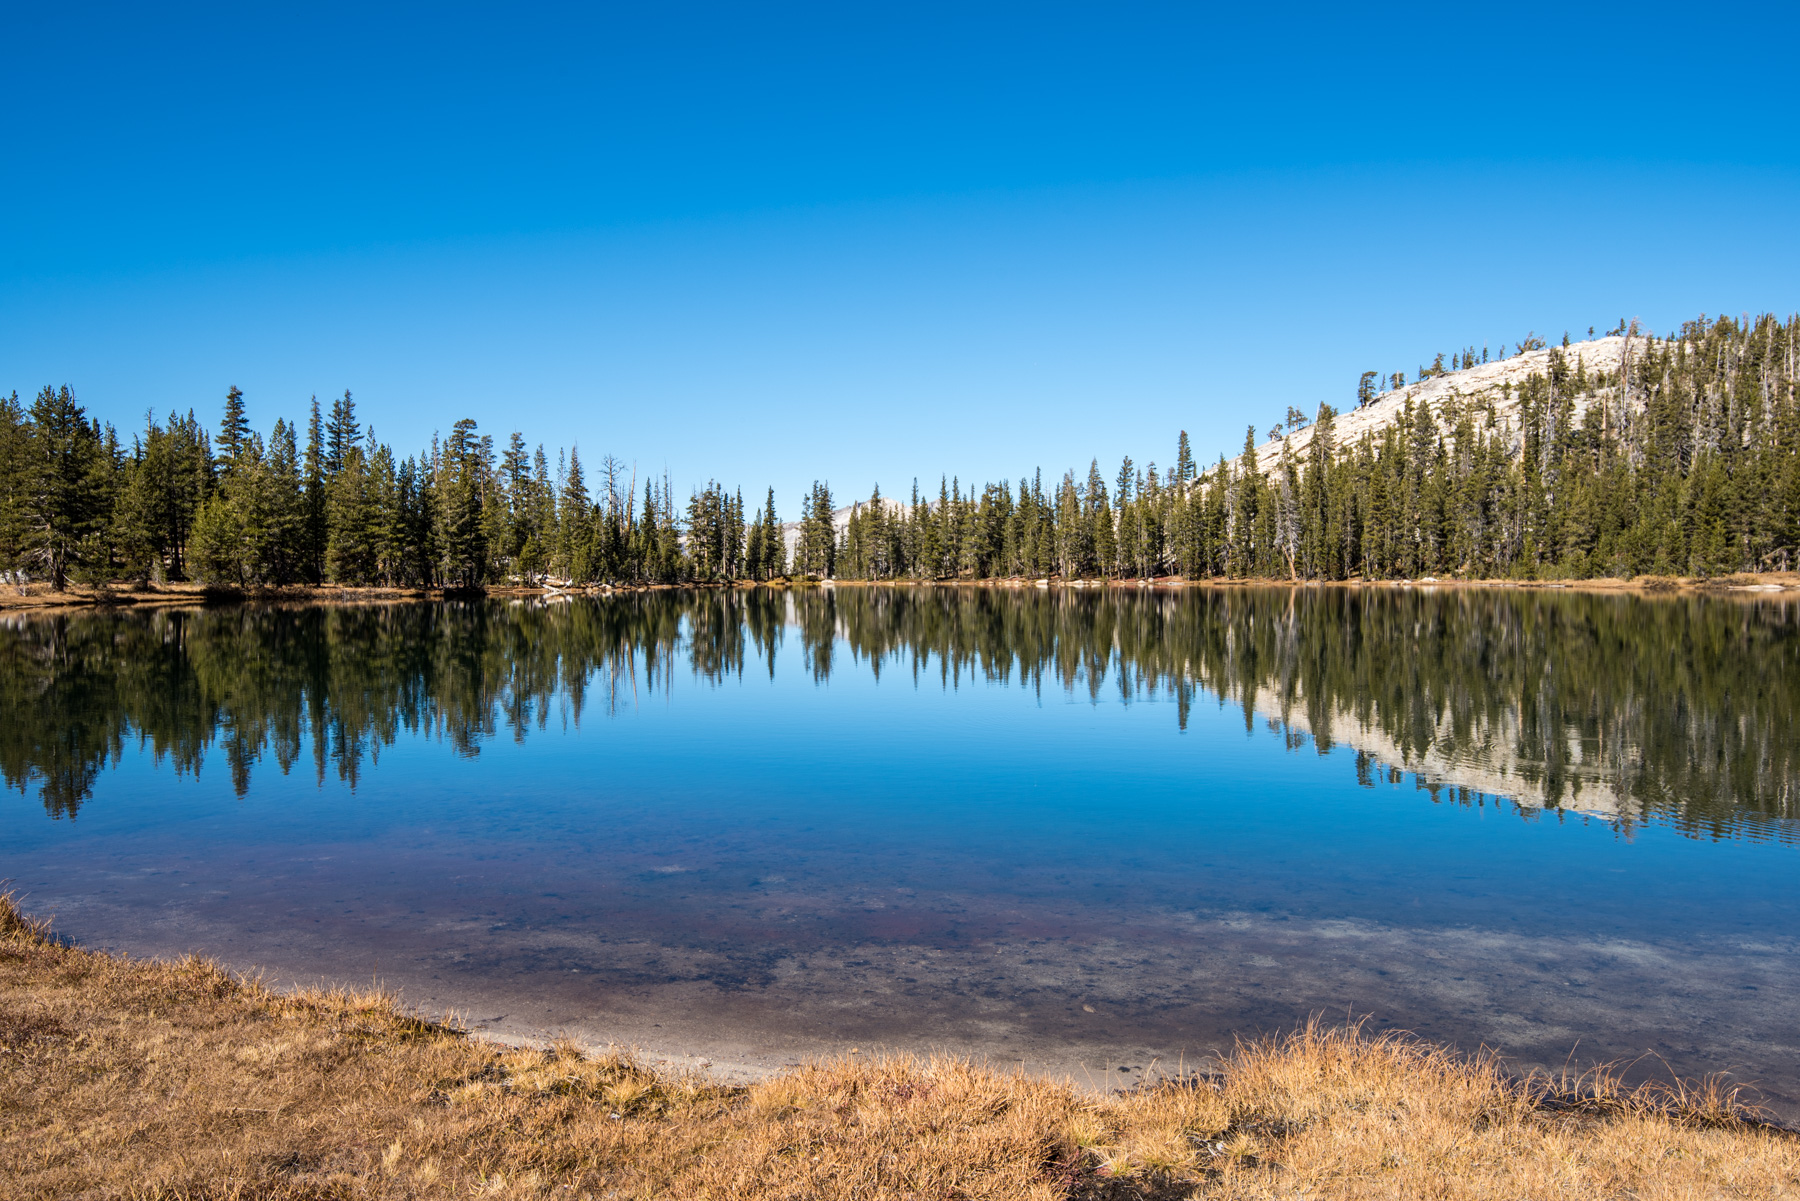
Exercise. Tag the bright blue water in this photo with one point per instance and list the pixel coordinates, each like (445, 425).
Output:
(771, 859)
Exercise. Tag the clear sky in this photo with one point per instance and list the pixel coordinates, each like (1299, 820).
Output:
(772, 243)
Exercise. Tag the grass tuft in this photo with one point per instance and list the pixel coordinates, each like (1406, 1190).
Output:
(16, 927)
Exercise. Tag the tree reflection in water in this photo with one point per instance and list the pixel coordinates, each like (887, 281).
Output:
(1679, 709)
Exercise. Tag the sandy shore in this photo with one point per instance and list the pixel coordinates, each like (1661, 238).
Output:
(39, 597)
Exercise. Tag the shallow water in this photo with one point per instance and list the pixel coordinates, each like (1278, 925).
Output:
(1084, 831)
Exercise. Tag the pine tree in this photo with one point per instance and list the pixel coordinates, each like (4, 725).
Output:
(152, 519)
(735, 538)
(285, 561)
(390, 520)
(216, 557)
(462, 482)
(513, 486)
(416, 499)
(16, 463)
(574, 532)
(234, 430)
(543, 511)
(1184, 464)
(1243, 556)
(775, 542)
(341, 434)
(352, 551)
(817, 553)
(1100, 519)
(314, 530)
(64, 503)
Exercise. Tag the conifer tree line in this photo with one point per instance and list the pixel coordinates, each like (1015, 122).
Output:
(1686, 460)
(333, 504)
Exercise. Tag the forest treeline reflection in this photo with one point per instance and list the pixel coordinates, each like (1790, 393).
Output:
(1680, 709)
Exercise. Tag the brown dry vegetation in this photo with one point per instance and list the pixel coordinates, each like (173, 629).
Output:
(126, 1078)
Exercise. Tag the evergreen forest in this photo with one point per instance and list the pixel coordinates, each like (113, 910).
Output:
(1683, 461)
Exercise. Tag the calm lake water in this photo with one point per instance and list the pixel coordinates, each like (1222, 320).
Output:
(1081, 830)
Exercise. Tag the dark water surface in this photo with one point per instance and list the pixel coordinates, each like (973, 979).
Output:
(1077, 829)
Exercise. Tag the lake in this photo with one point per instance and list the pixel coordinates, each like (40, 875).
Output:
(1095, 831)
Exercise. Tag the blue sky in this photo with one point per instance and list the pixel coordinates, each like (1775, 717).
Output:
(776, 243)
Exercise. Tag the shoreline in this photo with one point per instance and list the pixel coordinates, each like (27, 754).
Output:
(533, 986)
(32, 598)
(176, 1077)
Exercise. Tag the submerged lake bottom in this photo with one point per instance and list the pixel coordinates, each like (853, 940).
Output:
(1096, 835)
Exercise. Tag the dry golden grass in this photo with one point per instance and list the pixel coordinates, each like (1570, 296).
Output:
(124, 1078)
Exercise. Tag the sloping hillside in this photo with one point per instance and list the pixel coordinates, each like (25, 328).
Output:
(1615, 456)
(1486, 382)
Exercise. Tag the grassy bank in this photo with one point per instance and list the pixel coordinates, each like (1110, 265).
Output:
(127, 1078)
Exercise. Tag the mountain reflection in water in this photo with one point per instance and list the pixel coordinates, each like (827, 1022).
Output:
(1680, 710)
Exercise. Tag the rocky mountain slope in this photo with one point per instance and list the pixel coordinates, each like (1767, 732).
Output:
(1482, 383)
(1486, 381)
